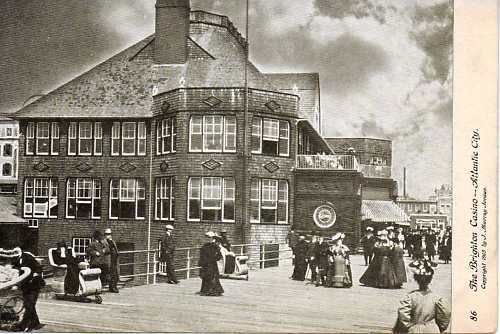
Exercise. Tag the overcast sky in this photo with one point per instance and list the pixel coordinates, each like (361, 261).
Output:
(385, 65)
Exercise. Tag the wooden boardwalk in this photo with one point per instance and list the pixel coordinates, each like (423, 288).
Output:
(268, 302)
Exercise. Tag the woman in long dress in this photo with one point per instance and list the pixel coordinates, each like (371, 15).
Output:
(380, 273)
(340, 272)
(422, 311)
(209, 271)
(398, 264)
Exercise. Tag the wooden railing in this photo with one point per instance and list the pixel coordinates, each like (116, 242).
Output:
(328, 162)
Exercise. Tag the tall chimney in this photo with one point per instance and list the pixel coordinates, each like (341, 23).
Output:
(404, 182)
(171, 31)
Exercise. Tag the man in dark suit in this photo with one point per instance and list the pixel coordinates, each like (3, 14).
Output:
(167, 254)
(113, 262)
(30, 288)
(96, 253)
(368, 242)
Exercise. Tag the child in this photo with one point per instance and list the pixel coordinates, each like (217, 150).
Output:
(422, 311)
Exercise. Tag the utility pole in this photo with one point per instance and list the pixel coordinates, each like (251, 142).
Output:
(244, 196)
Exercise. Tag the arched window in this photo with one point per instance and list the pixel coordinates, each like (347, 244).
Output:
(7, 169)
(7, 150)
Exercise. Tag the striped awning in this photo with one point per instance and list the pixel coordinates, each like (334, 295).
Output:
(384, 212)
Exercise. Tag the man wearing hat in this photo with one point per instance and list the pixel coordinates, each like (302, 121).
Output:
(368, 242)
(167, 254)
(299, 272)
(113, 261)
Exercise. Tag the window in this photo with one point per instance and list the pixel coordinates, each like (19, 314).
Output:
(269, 201)
(7, 150)
(80, 246)
(8, 132)
(85, 138)
(33, 223)
(270, 136)
(7, 169)
(165, 198)
(211, 199)
(212, 133)
(83, 198)
(166, 138)
(128, 138)
(42, 138)
(54, 140)
(30, 138)
(40, 198)
(127, 199)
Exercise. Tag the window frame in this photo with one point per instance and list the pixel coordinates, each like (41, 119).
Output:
(91, 199)
(135, 200)
(85, 245)
(11, 150)
(38, 138)
(30, 135)
(222, 198)
(123, 138)
(160, 197)
(11, 169)
(89, 131)
(52, 183)
(258, 133)
(166, 128)
(276, 198)
(204, 133)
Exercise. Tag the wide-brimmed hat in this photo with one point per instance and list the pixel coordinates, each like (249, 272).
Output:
(169, 227)
(107, 231)
(210, 234)
(389, 228)
(382, 232)
(422, 267)
(369, 228)
(337, 236)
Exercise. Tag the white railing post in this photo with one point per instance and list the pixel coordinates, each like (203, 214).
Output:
(155, 263)
(188, 263)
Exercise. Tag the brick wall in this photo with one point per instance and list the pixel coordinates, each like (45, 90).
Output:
(338, 188)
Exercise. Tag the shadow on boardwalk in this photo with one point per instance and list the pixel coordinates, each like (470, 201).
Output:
(268, 302)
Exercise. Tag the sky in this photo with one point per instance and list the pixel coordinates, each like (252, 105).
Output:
(385, 65)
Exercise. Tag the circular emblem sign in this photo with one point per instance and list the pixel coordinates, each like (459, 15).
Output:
(324, 216)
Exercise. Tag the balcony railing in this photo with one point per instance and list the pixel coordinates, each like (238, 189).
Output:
(375, 171)
(328, 162)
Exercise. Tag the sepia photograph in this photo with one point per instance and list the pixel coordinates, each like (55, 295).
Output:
(227, 166)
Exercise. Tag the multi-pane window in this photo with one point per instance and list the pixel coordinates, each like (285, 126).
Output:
(165, 198)
(42, 138)
(80, 246)
(166, 136)
(213, 133)
(40, 198)
(269, 201)
(128, 138)
(127, 199)
(6, 169)
(7, 150)
(85, 138)
(211, 199)
(83, 198)
(270, 136)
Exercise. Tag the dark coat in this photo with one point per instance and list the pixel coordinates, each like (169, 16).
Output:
(368, 243)
(34, 281)
(97, 252)
(323, 253)
(209, 271)
(167, 247)
(301, 249)
(71, 280)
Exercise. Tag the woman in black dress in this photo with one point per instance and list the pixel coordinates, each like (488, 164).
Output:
(380, 273)
(64, 255)
(209, 272)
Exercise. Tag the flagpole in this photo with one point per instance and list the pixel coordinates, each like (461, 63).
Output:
(245, 129)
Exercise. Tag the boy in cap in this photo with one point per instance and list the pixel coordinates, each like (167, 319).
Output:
(167, 254)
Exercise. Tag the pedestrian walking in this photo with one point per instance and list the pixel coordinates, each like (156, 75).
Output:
(430, 242)
(446, 247)
(312, 258)
(114, 267)
(209, 271)
(422, 311)
(340, 275)
(368, 242)
(323, 253)
(300, 268)
(97, 253)
(167, 251)
(30, 288)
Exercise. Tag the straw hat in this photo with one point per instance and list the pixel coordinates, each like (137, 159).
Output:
(369, 228)
(337, 236)
(169, 227)
(210, 234)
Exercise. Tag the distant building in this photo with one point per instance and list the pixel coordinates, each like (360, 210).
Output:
(9, 140)
(423, 213)
(444, 201)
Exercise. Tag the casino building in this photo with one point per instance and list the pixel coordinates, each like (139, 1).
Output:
(166, 131)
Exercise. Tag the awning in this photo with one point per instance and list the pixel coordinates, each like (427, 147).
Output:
(8, 211)
(384, 212)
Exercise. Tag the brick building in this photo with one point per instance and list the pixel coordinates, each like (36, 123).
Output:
(166, 132)
(9, 137)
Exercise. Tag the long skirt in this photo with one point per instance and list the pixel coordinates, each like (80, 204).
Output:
(398, 264)
(300, 269)
(380, 274)
(340, 274)
(210, 283)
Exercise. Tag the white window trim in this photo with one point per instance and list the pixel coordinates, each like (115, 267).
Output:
(171, 199)
(98, 136)
(81, 244)
(200, 198)
(91, 199)
(141, 137)
(191, 133)
(30, 127)
(286, 201)
(34, 197)
(225, 134)
(224, 180)
(123, 138)
(258, 199)
(80, 137)
(211, 197)
(213, 134)
(115, 137)
(54, 134)
(73, 127)
(119, 198)
(287, 154)
(37, 137)
(259, 151)
(189, 198)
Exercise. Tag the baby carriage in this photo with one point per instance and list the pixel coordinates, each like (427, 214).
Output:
(89, 281)
(11, 300)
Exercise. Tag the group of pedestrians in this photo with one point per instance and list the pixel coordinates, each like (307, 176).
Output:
(102, 253)
(326, 258)
(429, 242)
